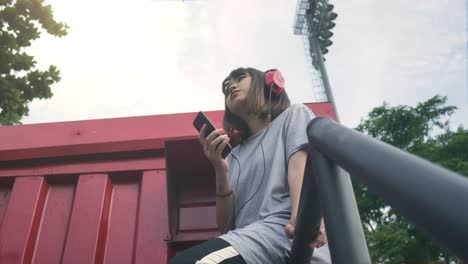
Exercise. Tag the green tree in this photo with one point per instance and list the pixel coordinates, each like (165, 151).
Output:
(22, 21)
(391, 238)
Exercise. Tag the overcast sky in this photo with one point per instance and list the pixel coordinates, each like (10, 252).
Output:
(146, 57)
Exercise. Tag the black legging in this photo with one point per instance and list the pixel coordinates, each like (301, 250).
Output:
(192, 255)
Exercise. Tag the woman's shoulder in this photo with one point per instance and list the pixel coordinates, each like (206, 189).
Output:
(294, 113)
(298, 107)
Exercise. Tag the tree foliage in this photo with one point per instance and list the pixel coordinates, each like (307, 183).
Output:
(391, 238)
(21, 22)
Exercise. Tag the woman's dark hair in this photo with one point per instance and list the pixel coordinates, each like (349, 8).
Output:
(257, 103)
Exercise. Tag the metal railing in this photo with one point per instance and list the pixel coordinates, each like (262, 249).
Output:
(431, 197)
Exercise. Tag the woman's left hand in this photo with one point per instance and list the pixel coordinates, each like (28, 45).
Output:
(319, 241)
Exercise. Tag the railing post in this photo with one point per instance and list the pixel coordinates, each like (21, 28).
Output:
(308, 219)
(343, 225)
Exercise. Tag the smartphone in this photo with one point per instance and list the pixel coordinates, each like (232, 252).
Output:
(203, 119)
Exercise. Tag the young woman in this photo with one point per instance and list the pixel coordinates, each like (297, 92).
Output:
(257, 186)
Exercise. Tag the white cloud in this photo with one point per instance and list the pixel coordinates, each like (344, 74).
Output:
(398, 52)
(127, 58)
(124, 58)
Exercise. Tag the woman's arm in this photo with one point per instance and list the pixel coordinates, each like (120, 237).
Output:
(296, 167)
(224, 200)
(213, 146)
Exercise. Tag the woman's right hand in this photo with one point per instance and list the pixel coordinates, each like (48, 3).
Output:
(213, 146)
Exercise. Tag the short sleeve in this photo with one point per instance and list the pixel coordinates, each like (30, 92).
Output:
(295, 126)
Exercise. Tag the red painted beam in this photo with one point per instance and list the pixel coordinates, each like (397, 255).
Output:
(122, 222)
(323, 109)
(6, 184)
(105, 135)
(150, 163)
(88, 224)
(152, 228)
(93, 136)
(20, 225)
(51, 239)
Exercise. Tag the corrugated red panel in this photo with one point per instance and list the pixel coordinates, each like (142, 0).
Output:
(123, 190)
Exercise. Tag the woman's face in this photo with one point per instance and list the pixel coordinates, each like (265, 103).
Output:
(237, 94)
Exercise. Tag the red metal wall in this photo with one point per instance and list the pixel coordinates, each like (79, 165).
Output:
(122, 190)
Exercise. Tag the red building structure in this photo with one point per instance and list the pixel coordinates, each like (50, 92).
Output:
(120, 190)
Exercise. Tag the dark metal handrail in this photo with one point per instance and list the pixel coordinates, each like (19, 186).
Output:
(308, 220)
(433, 198)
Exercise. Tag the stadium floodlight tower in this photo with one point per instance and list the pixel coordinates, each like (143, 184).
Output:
(314, 20)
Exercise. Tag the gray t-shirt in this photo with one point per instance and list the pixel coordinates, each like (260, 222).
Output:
(259, 225)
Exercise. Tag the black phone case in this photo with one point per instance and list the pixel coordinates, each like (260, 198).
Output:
(201, 119)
